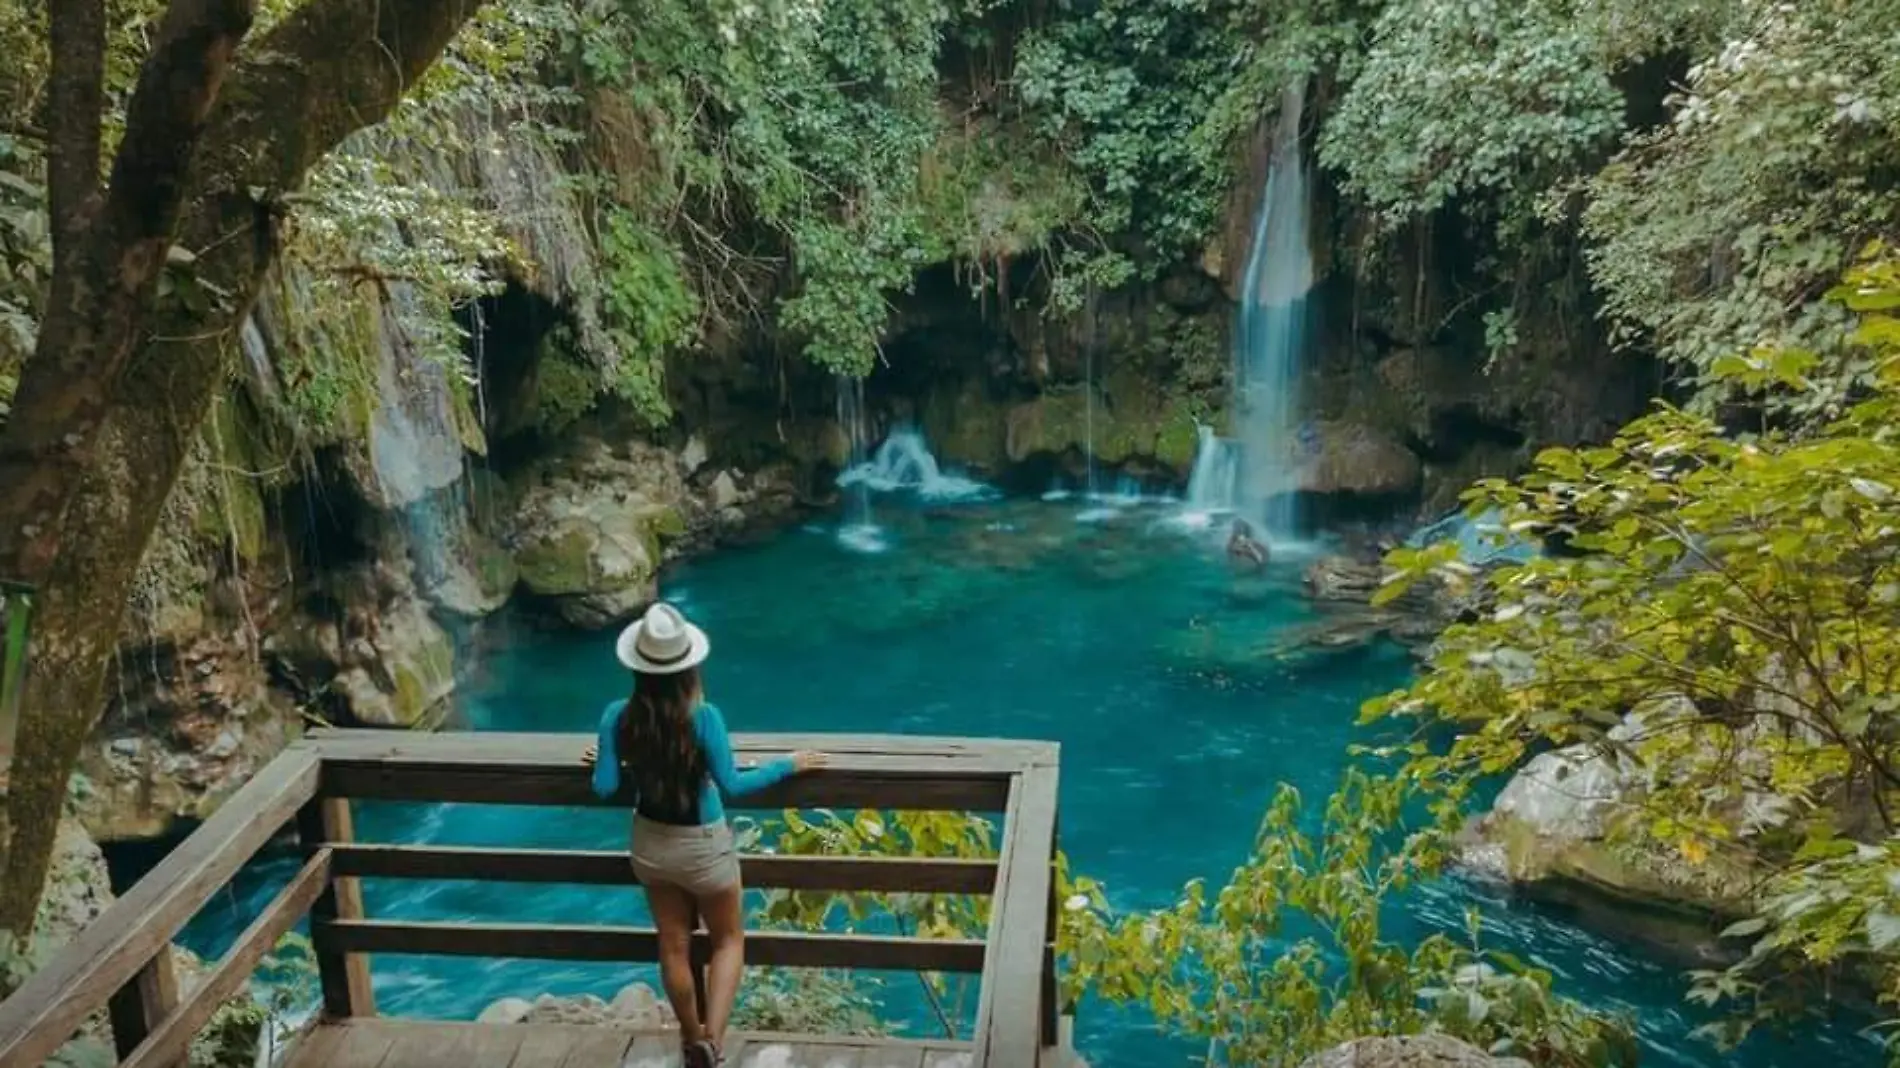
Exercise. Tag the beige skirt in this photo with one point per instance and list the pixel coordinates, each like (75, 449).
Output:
(699, 860)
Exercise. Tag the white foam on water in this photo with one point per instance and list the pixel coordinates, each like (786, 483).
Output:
(904, 464)
(863, 538)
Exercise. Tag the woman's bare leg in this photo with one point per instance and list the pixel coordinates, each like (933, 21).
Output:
(673, 918)
(724, 913)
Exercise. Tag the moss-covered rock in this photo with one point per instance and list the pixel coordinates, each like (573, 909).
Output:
(1554, 826)
(1350, 458)
(591, 529)
(404, 671)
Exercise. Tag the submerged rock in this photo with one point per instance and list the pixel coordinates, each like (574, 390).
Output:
(1409, 1051)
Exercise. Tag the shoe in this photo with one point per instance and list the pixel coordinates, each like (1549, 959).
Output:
(700, 1054)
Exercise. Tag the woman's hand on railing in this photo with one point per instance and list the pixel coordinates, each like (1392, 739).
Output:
(809, 760)
(590, 754)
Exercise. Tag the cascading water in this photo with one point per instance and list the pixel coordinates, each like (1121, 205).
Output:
(1256, 472)
(857, 505)
(1272, 320)
(904, 463)
(1216, 473)
(859, 530)
(1088, 397)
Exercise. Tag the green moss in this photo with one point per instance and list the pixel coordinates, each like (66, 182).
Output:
(429, 672)
(668, 523)
(967, 426)
(330, 337)
(1178, 435)
(468, 425)
(234, 510)
(494, 568)
(559, 566)
(563, 390)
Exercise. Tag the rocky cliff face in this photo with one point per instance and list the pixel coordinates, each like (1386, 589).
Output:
(357, 508)
(1406, 400)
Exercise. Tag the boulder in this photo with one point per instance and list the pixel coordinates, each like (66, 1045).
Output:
(506, 1011)
(635, 1006)
(1344, 457)
(1409, 1051)
(402, 672)
(588, 534)
(1552, 827)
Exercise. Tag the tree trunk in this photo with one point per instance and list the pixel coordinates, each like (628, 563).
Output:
(108, 252)
(331, 68)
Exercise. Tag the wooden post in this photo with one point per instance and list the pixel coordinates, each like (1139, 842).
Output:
(138, 1007)
(1050, 1010)
(343, 976)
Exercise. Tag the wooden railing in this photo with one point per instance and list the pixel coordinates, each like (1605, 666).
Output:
(123, 960)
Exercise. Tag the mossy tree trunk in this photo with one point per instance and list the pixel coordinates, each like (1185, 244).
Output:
(110, 403)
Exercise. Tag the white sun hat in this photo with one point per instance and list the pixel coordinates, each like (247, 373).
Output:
(662, 642)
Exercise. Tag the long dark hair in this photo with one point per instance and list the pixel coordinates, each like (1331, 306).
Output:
(657, 745)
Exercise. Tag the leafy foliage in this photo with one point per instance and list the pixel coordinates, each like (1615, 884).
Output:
(1722, 228)
(1525, 99)
(873, 833)
(1288, 958)
(1723, 625)
(646, 309)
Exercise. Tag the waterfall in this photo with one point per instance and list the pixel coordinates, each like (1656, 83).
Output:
(1088, 398)
(1270, 337)
(857, 504)
(859, 531)
(1216, 473)
(904, 463)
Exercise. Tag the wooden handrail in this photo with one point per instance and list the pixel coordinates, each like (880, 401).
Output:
(45, 1011)
(918, 875)
(1014, 1011)
(532, 941)
(170, 1041)
(124, 956)
(484, 767)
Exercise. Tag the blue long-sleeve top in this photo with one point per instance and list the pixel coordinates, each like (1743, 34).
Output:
(724, 779)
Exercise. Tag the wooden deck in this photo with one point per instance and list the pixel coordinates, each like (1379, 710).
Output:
(371, 1043)
(122, 962)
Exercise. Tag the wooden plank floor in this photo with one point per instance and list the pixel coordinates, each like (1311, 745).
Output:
(385, 1043)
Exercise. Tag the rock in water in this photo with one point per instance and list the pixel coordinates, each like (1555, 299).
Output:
(506, 1011)
(588, 533)
(1410, 1051)
(1553, 823)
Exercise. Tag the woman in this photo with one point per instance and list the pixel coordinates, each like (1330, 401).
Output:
(668, 750)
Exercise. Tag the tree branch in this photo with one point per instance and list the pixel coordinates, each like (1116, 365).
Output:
(76, 100)
(329, 69)
(167, 118)
(23, 130)
(107, 256)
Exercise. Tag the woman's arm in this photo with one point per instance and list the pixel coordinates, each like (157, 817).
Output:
(717, 746)
(607, 756)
